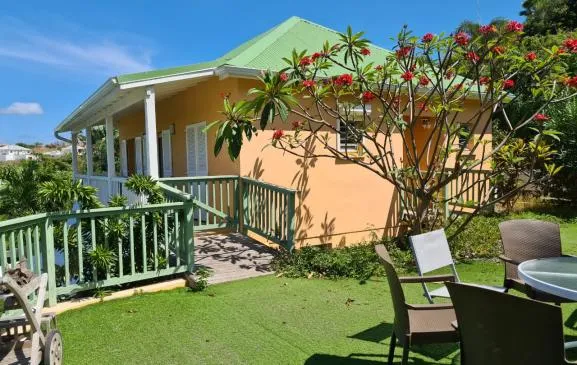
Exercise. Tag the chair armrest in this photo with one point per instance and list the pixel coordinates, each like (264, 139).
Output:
(429, 306)
(455, 325)
(508, 260)
(427, 279)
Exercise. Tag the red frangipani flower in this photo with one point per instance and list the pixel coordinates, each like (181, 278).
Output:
(571, 81)
(297, 124)
(514, 26)
(368, 96)
(498, 50)
(423, 80)
(427, 38)
(365, 51)
(487, 29)
(541, 117)
(508, 84)
(378, 67)
(531, 56)
(277, 134)
(316, 55)
(484, 80)
(344, 80)
(462, 39)
(407, 76)
(570, 45)
(472, 56)
(283, 76)
(403, 51)
(449, 74)
(305, 61)
(309, 83)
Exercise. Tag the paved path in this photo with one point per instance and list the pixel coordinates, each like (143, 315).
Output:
(232, 256)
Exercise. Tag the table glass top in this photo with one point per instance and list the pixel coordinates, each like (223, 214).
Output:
(558, 271)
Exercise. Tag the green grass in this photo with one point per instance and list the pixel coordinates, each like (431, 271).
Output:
(266, 320)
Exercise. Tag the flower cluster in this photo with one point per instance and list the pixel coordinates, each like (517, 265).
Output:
(365, 51)
(283, 76)
(367, 96)
(407, 76)
(427, 38)
(484, 80)
(472, 56)
(403, 51)
(277, 134)
(570, 45)
(424, 80)
(297, 124)
(309, 83)
(487, 29)
(514, 26)
(571, 81)
(541, 117)
(498, 50)
(344, 80)
(531, 56)
(462, 39)
(508, 84)
(305, 61)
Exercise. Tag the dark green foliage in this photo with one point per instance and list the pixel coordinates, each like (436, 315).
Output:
(356, 262)
(145, 185)
(549, 16)
(201, 276)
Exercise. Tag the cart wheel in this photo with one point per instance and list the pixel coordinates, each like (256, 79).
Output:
(53, 351)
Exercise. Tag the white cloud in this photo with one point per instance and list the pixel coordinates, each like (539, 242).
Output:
(20, 108)
(77, 50)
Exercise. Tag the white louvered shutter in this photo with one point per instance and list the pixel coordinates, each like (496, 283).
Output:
(166, 154)
(123, 158)
(201, 147)
(191, 150)
(138, 154)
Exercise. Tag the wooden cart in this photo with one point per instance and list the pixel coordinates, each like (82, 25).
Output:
(31, 337)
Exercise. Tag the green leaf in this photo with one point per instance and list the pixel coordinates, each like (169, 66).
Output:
(265, 115)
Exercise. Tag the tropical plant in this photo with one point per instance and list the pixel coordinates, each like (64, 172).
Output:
(549, 16)
(61, 194)
(145, 185)
(381, 103)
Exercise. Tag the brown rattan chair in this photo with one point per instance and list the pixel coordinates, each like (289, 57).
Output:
(528, 239)
(503, 329)
(416, 324)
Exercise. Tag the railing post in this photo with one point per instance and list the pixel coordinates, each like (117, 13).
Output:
(291, 220)
(188, 238)
(245, 204)
(237, 218)
(48, 234)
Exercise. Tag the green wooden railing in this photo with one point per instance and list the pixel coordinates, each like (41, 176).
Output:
(269, 210)
(265, 209)
(216, 199)
(84, 250)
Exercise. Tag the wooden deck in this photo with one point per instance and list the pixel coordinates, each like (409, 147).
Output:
(232, 256)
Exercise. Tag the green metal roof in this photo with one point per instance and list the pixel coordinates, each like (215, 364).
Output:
(265, 51)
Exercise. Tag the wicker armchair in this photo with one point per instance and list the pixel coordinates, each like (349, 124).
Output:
(509, 330)
(528, 239)
(416, 324)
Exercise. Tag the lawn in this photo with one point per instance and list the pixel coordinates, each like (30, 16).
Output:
(266, 320)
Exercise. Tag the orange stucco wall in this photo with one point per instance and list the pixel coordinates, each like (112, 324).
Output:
(200, 103)
(338, 203)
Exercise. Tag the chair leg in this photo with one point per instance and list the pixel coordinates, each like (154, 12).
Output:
(405, 360)
(392, 348)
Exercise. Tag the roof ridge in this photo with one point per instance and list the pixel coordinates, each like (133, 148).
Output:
(268, 38)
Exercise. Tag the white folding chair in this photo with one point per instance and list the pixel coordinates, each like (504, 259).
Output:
(432, 252)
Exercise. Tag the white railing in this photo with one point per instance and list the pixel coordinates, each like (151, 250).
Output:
(107, 187)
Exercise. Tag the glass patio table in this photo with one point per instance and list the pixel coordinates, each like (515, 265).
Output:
(554, 275)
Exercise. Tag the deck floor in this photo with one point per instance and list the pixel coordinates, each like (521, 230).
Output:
(232, 256)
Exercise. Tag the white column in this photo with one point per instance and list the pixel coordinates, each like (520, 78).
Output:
(150, 127)
(88, 154)
(74, 155)
(110, 166)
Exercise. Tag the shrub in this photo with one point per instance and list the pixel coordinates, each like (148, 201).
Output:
(479, 239)
(357, 262)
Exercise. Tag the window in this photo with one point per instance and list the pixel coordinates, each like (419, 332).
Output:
(349, 132)
(464, 135)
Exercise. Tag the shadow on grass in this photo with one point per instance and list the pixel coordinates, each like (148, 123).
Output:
(383, 331)
(366, 359)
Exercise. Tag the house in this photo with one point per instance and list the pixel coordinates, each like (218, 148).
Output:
(160, 116)
(11, 152)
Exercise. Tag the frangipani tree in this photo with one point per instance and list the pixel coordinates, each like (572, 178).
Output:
(454, 81)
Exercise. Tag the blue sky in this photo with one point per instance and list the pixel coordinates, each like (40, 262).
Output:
(53, 54)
